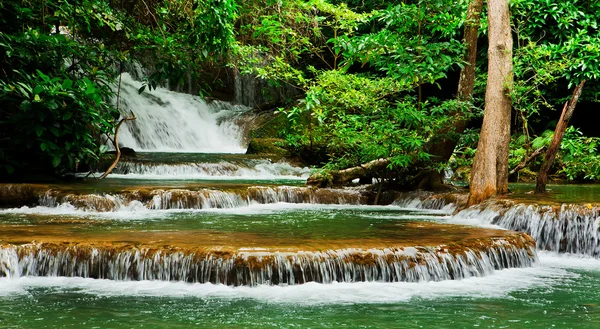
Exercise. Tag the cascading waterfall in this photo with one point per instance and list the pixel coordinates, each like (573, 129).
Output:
(199, 199)
(565, 228)
(570, 228)
(447, 202)
(175, 122)
(255, 169)
(408, 264)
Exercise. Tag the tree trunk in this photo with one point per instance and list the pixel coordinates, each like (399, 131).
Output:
(489, 175)
(559, 132)
(346, 175)
(443, 149)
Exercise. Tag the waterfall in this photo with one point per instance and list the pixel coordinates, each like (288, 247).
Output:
(175, 122)
(407, 264)
(161, 199)
(447, 202)
(251, 169)
(570, 228)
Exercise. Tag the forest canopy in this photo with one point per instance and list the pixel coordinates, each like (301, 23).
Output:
(368, 79)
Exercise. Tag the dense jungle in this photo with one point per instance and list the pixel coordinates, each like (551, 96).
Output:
(291, 164)
(352, 82)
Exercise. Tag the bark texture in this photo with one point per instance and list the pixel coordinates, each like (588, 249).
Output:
(443, 149)
(489, 175)
(559, 132)
(346, 175)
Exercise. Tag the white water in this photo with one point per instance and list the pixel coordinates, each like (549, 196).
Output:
(256, 268)
(571, 228)
(423, 200)
(174, 122)
(135, 210)
(162, 199)
(551, 270)
(253, 170)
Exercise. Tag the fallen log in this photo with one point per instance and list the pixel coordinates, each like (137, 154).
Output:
(346, 175)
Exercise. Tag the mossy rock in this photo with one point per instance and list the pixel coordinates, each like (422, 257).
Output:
(526, 175)
(269, 125)
(267, 146)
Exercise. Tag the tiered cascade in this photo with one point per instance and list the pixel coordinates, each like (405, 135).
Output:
(251, 169)
(569, 228)
(160, 199)
(408, 264)
(86, 230)
(559, 227)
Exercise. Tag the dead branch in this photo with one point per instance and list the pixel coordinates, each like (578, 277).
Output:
(116, 145)
(527, 160)
(561, 126)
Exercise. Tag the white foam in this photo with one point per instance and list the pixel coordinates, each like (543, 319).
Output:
(568, 261)
(475, 218)
(254, 170)
(174, 122)
(257, 177)
(412, 216)
(311, 293)
(258, 208)
(136, 210)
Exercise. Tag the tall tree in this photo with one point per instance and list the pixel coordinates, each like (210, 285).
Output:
(489, 175)
(443, 149)
(559, 132)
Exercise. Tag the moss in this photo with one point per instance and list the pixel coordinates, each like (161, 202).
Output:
(526, 175)
(267, 146)
(270, 126)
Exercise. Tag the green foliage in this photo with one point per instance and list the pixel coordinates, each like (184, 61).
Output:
(579, 158)
(359, 118)
(57, 90)
(415, 43)
(64, 117)
(54, 94)
(465, 150)
(281, 41)
(557, 46)
(184, 37)
(521, 147)
(360, 66)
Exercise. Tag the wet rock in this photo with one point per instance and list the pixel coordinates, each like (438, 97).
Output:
(119, 260)
(125, 151)
(267, 146)
(18, 195)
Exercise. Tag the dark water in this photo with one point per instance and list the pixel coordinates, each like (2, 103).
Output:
(565, 193)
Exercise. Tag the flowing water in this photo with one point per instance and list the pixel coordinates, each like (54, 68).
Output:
(189, 234)
(175, 122)
(202, 166)
(559, 293)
